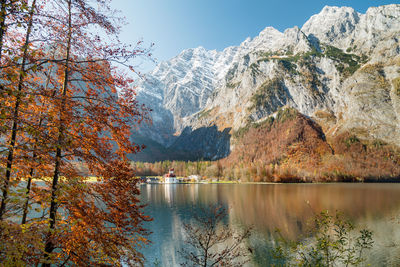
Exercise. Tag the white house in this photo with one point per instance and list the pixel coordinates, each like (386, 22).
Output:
(170, 178)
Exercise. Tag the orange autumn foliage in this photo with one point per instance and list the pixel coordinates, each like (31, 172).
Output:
(293, 148)
(67, 102)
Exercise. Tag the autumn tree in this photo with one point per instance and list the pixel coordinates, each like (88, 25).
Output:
(91, 122)
(16, 74)
(69, 103)
(18, 93)
(10, 15)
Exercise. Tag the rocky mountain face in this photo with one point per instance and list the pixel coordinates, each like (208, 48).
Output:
(341, 69)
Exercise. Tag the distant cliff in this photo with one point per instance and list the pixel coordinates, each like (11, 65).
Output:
(341, 71)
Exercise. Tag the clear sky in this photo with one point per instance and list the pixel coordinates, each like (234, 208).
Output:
(174, 25)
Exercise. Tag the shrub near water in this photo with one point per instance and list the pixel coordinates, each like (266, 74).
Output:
(332, 242)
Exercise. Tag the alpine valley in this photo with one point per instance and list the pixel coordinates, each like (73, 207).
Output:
(321, 101)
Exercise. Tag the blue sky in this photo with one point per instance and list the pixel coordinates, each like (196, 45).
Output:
(174, 25)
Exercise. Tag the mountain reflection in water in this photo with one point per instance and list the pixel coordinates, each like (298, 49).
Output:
(288, 207)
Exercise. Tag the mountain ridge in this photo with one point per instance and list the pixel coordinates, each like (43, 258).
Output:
(340, 62)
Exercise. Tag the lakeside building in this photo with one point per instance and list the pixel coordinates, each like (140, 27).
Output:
(170, 177)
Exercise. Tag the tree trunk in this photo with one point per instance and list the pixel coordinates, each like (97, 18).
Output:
(28, 190)
(49, 247)
(34, 156)
(18, 100)
(2, 24)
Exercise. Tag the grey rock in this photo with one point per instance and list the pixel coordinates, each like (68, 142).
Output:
(324, 65)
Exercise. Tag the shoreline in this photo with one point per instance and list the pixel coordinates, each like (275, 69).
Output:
(92, 179)
(279, 183)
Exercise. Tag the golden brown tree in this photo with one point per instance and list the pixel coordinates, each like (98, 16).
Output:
(69, 104)
(93, 113)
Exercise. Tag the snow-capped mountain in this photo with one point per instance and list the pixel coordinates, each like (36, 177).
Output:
(181, 87)
(340, 62)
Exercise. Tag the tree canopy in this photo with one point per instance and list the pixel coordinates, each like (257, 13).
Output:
(65, 101)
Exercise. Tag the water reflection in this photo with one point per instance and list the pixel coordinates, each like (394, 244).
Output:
(267, 207)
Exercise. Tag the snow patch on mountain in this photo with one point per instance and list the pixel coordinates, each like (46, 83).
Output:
(319, 66)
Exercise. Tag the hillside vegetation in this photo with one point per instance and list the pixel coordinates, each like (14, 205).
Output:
(290, 147)
(294, 147)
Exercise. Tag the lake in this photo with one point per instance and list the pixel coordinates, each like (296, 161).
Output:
(266, 207)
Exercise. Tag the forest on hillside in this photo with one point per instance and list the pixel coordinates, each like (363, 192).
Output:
(292, 148)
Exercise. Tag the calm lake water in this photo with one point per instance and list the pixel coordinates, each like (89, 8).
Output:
(289, 207)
